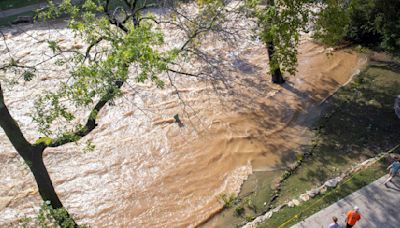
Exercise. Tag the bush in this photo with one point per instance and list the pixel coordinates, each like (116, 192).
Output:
(239, 210)
(228, 200)
(249, 218)
(375, 23)
(372, 23)
(49, 217)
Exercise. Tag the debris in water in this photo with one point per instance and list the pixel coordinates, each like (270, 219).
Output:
(178, 120)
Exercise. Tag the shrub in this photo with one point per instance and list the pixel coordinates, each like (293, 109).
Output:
(239, 210)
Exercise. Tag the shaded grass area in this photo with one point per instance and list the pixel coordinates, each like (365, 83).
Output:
(358, 123)
(290, 216)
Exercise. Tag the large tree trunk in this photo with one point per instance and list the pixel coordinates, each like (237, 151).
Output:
(33, 157)
(45, 185)
(46, 189)
(275, 71)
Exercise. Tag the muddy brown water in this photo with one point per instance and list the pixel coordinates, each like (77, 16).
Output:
(146, 171)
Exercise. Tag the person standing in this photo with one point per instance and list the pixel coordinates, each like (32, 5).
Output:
(397, 106)
(353, 216)
(394, 169)
(334, 224)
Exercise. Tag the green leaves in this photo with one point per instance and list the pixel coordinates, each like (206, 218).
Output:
(373, 23)
(44, 140)
(50, 108)
(48, 217)
(53, 46)
(97, 74)
(89, 147)
(332, 23)
(28, 75)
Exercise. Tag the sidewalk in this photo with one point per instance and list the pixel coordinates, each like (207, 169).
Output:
(30, 8)
(379, 207)
(12, 12)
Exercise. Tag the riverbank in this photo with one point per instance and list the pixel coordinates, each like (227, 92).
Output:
(355, 124)
(359, 122)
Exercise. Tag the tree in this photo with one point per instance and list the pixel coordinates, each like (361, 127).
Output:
(280, 23)
(33, 157)
(119, 36)
(373, 23)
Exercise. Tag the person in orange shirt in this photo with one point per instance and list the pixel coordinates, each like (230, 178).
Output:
(353, 216)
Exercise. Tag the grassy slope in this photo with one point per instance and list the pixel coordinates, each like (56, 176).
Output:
(359, 124)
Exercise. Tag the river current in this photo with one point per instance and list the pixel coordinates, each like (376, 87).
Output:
(146, 170)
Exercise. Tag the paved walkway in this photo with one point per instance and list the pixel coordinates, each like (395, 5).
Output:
(379, 207)
(29, 8)
(12, 12)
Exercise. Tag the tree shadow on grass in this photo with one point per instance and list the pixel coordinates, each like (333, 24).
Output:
(357, 123)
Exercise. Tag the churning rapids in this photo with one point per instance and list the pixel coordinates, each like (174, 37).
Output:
(146, 171)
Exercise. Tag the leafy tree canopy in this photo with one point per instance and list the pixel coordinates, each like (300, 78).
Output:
(281, 22)
(373, 23)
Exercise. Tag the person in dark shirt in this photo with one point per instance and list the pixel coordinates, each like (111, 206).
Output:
(394, 169)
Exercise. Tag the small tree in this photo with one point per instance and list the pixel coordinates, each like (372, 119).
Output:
(279, 23)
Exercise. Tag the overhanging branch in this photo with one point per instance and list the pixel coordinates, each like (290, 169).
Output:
(90, 123)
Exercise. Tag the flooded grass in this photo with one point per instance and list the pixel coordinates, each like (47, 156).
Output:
(357, 123)
(250, 203)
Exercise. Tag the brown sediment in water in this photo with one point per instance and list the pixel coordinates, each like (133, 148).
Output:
(146, 171)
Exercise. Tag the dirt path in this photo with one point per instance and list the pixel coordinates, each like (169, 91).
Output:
(378, 206)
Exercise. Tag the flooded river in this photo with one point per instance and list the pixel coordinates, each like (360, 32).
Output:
(146, 171)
